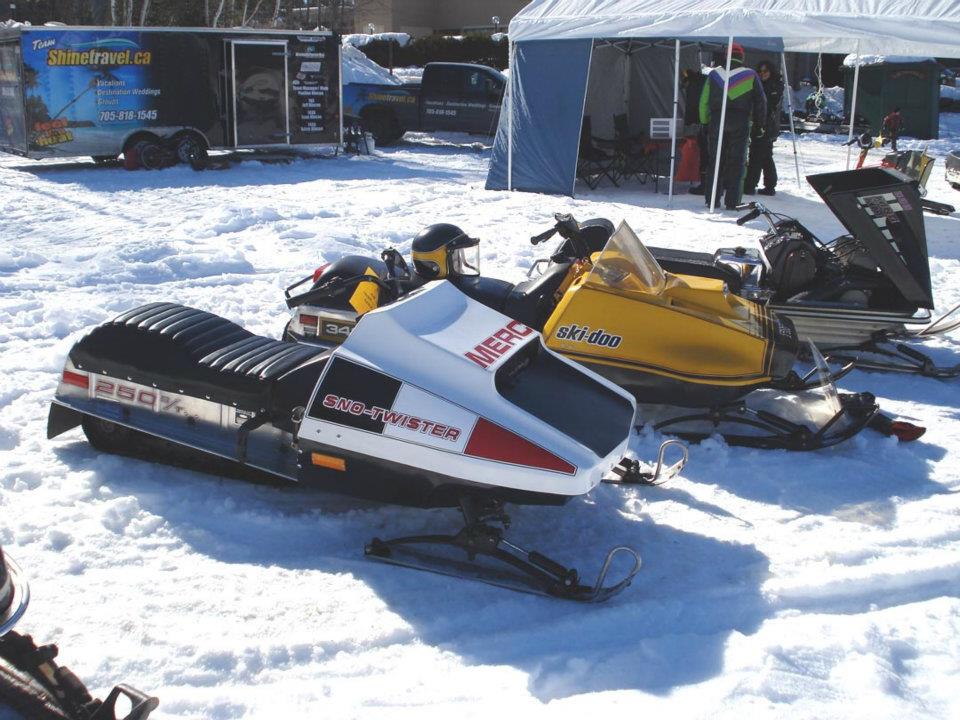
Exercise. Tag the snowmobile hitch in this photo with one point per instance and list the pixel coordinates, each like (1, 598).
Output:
(782, 434)
(527, 570)
(628, 472)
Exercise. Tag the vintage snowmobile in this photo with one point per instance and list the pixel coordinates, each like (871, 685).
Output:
(671, 340)
(402, 413)
(33, 684)
(858, 297)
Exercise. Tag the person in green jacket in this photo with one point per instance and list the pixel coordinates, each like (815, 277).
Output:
(746, 105)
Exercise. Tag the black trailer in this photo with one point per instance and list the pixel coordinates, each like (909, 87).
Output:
(155, 93)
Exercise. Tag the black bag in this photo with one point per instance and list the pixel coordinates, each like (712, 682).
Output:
(793, 261)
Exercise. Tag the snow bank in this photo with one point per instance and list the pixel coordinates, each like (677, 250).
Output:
(361, 39)
(950, 92)
(358, 68)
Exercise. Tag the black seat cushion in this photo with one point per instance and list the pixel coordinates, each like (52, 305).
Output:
(532, 301)
(686, 262)
(189, 351)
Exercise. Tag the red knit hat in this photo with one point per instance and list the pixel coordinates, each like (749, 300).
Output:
(738, 51)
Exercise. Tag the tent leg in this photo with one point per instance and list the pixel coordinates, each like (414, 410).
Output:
(723, 122)
(853, 105)
(673, 126)
(510, 90)
(793, 131)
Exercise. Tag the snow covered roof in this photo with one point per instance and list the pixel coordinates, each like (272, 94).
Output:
(908, 27)
(851, 59)
(358, 68)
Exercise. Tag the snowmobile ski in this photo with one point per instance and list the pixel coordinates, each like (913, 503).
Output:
(517, 568)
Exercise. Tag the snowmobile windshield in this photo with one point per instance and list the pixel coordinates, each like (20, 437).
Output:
(626, 265)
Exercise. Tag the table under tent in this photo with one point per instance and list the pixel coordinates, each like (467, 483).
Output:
(599, 59)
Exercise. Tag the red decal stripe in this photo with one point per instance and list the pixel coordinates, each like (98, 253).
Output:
(81, 380)
(492, 442)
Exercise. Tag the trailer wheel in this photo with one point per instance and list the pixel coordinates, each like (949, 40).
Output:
(151, 155)
(191, 150)
(383, 124)
(105, 435)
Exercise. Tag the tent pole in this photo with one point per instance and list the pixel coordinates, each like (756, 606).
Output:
(853, 104)
(723, 121)
(793, 131)
(512, 89)
(673, 126)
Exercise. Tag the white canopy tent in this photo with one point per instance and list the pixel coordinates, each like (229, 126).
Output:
(906, 27)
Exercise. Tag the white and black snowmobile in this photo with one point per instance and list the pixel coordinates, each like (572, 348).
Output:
(398, 413)
(33, 684)
(859, 297)
(952, 171)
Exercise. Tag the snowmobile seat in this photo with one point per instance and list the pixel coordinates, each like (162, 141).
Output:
(686, 262)
(532, 301)
(180, 349)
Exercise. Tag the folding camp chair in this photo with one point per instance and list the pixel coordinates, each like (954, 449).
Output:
(633, 157)
(594, 163)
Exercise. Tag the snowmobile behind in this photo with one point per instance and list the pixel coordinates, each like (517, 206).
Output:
(952, 171)
(399, 413)
(37, 687)
(857, 296)
(670, 340)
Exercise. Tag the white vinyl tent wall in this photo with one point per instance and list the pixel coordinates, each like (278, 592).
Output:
(552, 42)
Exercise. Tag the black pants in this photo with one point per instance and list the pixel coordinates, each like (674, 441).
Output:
(761, 161)
(733, 161)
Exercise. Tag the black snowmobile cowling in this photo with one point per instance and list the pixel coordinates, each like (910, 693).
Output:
(14, 594)
(402, 412)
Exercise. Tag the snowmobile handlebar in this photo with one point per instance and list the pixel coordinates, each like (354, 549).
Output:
(569, 229)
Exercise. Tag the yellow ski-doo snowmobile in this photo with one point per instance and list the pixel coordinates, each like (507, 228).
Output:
(670, 340)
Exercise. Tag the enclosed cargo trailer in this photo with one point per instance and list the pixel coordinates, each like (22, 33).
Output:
(78, 91)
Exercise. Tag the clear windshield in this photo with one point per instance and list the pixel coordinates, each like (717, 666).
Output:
(465, 260)
(626, 265)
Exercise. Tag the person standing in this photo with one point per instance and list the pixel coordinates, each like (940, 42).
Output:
(892, 125)
(745, 103)
(692, 81)
(764, 135)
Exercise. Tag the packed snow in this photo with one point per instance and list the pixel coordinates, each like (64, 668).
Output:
(775, 584)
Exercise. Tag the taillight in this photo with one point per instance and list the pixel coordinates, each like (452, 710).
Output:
(309, 323)
(319, 271)
(80, 380)
(492, 442)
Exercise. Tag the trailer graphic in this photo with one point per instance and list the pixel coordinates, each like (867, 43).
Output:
(68, 91)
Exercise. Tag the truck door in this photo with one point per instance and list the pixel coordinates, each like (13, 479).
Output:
(483, 96)
(261, 106)
(442, 99)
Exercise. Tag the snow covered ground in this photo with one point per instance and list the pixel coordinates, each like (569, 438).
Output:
(775, 584)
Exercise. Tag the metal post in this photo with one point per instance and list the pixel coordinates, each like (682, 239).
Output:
(511, 88)
(853, 104)
(723, 122)
(793, 131)
(673, 126)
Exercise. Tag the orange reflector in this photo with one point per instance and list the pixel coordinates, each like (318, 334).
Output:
(328, 461)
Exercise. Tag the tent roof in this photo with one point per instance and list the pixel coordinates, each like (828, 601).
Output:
(903, 27)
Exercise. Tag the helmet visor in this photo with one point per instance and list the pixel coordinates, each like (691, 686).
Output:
(465, 260)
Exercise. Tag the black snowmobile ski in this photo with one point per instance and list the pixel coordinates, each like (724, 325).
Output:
(517, 568)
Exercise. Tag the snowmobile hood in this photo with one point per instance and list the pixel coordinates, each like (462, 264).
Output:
(881, 208)
(470, 355)
(14, 594)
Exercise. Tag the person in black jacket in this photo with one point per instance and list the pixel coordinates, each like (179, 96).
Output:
(745, 103)
(764, 135)
(691, 82)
